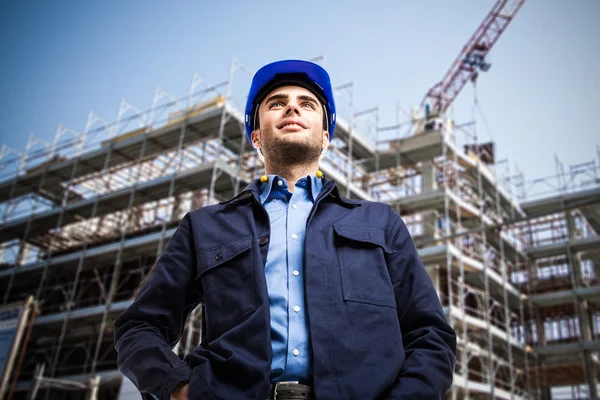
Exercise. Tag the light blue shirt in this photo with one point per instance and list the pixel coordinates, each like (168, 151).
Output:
(284, 271)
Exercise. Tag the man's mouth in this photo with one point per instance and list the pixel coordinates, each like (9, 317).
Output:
(292, 124)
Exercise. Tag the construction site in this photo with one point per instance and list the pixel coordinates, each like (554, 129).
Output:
(514, 261)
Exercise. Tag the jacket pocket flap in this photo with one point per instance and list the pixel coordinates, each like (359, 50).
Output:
(363, 234)
(215, 256)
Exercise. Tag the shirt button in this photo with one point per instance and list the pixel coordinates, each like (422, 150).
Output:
(294, 206)
(263, 240)
(218, 256)
(294, 236)
(296, 352)
(296, 273)
(280, 183)
(296, 309)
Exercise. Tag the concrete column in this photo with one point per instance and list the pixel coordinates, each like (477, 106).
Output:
(200, 199)
(586, 328)
(576, 264)
(588, 362)
(24, 253)
(434, 273)
(430, 224)
(539, 326)
(183, 204)
(590, 374)
(429, 184)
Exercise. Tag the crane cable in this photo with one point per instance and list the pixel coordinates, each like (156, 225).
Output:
(477, 107)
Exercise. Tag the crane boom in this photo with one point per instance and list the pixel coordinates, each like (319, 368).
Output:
(472, 56)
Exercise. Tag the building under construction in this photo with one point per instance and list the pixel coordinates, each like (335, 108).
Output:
(84, 219)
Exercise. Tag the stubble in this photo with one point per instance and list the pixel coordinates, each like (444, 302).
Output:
(284, 152)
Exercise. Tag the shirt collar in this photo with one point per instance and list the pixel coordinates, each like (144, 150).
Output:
(252, 190)
(312, 184)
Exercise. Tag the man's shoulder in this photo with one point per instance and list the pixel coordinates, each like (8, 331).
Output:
(207, 211)
(369, 212)
(370, 205)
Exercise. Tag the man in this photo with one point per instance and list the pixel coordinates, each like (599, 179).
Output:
(306, 294)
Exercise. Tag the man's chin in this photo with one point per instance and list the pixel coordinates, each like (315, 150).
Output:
(294, 151)
(294, 143)
(292, 139)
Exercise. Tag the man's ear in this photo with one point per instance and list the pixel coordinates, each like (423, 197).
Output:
(255, 135)
(325, 140)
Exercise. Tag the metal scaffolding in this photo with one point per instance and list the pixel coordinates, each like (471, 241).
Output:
(84, 219)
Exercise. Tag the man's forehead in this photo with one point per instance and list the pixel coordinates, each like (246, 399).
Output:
(291, 91)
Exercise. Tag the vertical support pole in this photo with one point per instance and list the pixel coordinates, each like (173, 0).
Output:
(38, 375)
(94, 384)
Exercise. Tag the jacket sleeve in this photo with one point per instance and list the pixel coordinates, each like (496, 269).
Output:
(429, 341)
(148, 329)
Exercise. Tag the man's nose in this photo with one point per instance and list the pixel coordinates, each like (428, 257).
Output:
(292, 108)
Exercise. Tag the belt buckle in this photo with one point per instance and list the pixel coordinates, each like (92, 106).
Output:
(278, 384)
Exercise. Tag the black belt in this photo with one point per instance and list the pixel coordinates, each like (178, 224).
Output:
(291, 391)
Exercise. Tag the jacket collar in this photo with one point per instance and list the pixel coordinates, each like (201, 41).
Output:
(329, 189)
(335, 194)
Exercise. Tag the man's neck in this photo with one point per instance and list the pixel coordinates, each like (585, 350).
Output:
(292, 173)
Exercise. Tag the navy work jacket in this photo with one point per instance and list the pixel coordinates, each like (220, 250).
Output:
(376, 325)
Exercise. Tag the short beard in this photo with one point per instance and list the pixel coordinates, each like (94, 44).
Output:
(289, 153)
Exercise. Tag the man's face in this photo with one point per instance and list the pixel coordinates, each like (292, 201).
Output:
(291, 126)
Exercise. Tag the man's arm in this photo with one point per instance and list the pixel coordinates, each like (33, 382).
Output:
(429, 341)
(148, 329)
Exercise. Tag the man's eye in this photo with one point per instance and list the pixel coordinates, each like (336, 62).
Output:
(276, 104)
(309, 105)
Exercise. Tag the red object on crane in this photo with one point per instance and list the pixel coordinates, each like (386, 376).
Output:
(472, 56)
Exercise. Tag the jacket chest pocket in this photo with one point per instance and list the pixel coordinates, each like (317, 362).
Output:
(227, 276)
(363, 269)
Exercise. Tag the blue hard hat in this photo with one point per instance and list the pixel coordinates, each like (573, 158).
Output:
(293, 72)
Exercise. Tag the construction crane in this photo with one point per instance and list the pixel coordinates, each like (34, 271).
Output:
(471, 58)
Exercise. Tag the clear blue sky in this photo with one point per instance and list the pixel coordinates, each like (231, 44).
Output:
(61, 59)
